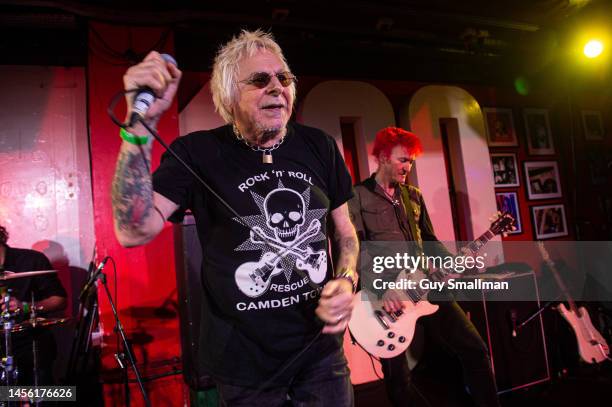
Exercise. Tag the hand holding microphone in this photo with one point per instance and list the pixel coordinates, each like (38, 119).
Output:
(157, 77)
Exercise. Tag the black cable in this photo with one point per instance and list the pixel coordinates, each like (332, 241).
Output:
(118, 344)
(372, 359)
(105, 45)
(283, 368)
(411, 384)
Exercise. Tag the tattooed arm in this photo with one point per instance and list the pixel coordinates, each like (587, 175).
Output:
(336, 302)
(139, 213)
(346, 240)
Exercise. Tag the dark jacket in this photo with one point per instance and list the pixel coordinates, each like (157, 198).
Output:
(377, 219)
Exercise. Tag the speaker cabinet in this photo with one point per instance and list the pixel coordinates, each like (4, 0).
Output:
(189, 291)
(519, 356)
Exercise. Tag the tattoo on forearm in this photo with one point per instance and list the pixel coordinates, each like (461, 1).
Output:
(132, 190)
(349, 250)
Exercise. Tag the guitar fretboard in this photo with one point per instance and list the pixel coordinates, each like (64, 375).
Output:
(443, 274)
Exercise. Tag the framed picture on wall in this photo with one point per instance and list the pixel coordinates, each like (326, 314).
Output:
(542, 179)
(505, 170)
(499, 126)
(508, 202)
(549, 221)
(592, 125)
(537, 127)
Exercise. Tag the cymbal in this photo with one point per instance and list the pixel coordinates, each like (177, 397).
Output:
(11, 275)
(39, 322)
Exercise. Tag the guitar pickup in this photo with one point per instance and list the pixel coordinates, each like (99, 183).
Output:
(380, 318)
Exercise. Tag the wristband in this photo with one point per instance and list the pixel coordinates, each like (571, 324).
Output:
(350, 275)
(133, 139)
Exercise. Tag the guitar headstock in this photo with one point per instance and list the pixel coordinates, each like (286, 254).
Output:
(504, 223)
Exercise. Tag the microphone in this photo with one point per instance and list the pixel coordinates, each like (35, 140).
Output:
(92, 278)
(145, 97)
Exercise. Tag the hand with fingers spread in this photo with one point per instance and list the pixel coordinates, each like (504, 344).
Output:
(336, 305)
(158, 74)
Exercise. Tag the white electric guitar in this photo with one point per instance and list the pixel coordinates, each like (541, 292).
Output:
(591, 345)
(387, 335)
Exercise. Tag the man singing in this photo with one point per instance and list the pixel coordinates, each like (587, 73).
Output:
(261, 308)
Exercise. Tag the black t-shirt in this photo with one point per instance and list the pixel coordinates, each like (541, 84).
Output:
(45, 286)
(258, 310)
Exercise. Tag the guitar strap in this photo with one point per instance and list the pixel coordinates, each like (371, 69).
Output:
(410, 214)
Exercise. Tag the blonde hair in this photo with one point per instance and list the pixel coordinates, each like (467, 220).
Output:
(224, 81)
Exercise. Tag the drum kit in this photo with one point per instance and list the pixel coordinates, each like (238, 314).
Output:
(28, 322)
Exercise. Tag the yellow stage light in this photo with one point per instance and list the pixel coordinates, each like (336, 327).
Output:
(593, 48)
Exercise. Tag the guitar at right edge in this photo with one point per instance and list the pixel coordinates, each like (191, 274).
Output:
(591, 345)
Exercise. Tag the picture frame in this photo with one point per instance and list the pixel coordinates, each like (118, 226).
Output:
(505, 170)
(508, 202)
(542, 180)
(537, 130)
(592, 125)
(499, 126)
(549, 221)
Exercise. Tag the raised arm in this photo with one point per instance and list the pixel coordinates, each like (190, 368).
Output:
(139, 213)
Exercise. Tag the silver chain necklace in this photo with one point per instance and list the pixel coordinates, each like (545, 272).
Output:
(390, 197)
(266, 157)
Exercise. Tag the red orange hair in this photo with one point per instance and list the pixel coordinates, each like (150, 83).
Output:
(389, 137)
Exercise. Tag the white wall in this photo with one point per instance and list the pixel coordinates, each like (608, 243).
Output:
(329, 101)
(200, 113)
(45, 181)
(422, 115)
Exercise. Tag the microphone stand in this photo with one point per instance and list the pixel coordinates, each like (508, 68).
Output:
(533, 315)
(127, 350)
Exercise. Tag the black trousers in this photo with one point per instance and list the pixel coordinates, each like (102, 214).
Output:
(451, 331)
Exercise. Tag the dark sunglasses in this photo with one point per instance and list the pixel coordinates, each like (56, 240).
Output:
(262, 79)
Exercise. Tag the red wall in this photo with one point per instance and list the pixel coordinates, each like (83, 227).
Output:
(145, 275)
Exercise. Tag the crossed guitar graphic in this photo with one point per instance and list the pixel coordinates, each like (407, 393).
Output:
(254, 278)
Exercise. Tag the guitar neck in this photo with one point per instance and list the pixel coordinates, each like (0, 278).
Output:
(444, 274)
(479, 243)
(558, 279)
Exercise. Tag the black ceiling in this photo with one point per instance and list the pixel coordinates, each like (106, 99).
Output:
(475, 40)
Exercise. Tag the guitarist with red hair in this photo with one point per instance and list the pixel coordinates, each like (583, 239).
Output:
(380, 212)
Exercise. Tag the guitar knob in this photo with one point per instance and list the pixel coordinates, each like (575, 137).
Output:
(391, 335)
(391, 347)
(380, 342)
(402, 339)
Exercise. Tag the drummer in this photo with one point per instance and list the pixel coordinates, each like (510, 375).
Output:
(49, 297)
